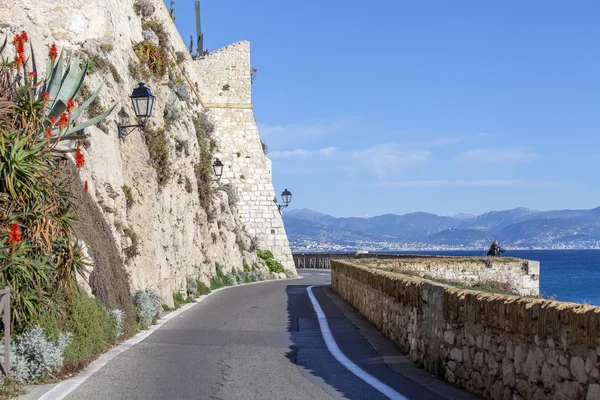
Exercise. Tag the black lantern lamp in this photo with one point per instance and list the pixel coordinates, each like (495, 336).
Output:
(142, 101)
(286, 196)
(218, 168)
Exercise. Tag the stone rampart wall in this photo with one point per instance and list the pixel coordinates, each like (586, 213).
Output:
(501, 347)
(249, 171)
(224, 75)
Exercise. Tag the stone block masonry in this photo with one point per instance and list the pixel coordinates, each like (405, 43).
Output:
(513, 275)
(497, 346)
(225, 87)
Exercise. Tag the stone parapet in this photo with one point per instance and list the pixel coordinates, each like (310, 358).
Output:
(514, 275)
(497, 346)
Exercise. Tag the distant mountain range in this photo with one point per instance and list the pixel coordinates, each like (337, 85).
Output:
(521, 228)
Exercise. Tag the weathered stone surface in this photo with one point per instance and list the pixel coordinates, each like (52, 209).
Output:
(516, 366)
(564, 373)
(549, 376)
(578, 369)
(178, 237)
(591, 361)
(524, 388)
(456, 355)
(593, 392)
(497, 391)
(449, 337)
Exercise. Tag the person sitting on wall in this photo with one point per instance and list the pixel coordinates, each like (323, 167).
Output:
(495, 250)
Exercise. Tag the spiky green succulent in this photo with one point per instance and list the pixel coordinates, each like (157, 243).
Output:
(64, 85)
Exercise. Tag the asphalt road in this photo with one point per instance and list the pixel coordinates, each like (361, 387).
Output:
(260, 341)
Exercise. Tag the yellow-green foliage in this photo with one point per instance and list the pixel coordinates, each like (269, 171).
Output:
(152, 56)
(99, 62)
(203, 169)
(158, 148)
(269, 259)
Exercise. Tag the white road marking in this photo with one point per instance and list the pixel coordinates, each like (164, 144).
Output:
(64, 388)
(345, 361)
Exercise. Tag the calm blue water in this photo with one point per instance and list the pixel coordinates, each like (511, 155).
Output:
(570, 275)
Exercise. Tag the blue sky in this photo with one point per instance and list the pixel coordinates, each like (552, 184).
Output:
(383, 107)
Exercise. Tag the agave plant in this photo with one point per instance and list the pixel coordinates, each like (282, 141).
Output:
(39, 257)
(64, 85)
(62, 82)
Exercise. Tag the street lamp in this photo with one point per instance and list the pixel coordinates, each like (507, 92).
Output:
(218, 168)
(142, 101)
(286, 196)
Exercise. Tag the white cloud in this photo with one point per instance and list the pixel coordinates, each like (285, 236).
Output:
(277, 136)
(388, 157)
(493, 155)
(300, 153)
(328, 151)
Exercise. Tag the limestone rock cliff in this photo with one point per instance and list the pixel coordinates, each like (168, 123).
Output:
(157, 227)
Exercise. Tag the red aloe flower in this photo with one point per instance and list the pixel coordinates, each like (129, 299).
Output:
(24, 36)
(31, 75)
(18, 61)
(85, 187)
(48, 133)
(46, 96)
(79, 158)
(70, 105)
(63, 121)
(14, 236)
(53, 52)
(52, 120)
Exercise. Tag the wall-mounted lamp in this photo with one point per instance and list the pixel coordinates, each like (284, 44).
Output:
(218, 168)
(142, 101)
(286, 196)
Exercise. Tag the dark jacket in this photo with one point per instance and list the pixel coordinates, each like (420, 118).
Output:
(495, 250)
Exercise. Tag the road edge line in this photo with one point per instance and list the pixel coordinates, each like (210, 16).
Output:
(64, 388)
(343, 359)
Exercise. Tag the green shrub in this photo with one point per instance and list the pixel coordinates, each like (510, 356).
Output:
(272, 264)
(221, 280)
(9, 387)
(33, 355)
(93, 328)
(232, 196)
(202, 288)
(132, 250)
(179, 299)
(158, 149)
(158, 28)
(99, 62)
(152, 56)
(148, 305)
(128, 195)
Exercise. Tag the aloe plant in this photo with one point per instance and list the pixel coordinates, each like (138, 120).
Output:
(64, 85)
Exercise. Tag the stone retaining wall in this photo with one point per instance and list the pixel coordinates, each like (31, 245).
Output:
(514, 275)
(498, 346)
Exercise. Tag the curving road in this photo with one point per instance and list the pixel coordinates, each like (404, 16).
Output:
(261, 341)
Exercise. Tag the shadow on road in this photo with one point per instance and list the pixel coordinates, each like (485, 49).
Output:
(309, 352)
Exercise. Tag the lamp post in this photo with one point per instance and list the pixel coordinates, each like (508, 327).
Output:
(286, 196)
(142, 101)
(218, 168)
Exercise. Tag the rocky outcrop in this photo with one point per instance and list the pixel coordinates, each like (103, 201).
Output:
(152, 214)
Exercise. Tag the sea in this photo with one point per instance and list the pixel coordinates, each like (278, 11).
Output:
(565, 275)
